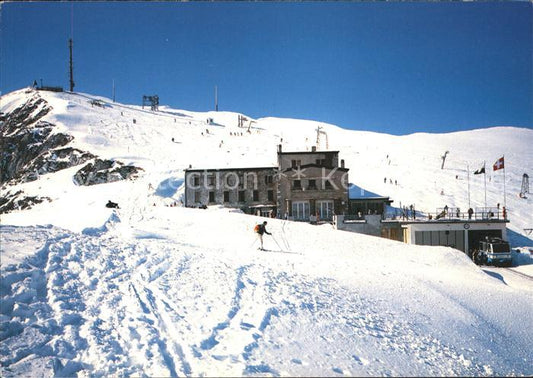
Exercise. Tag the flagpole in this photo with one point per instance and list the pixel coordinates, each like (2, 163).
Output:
(504, 194)
(485, 177)
(468, 177)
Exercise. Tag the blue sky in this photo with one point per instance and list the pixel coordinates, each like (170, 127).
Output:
(396, 68)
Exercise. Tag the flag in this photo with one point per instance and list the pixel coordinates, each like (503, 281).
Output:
(480, 170)
(498, 164)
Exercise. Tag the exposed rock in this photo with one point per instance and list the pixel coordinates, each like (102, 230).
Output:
(25, 115)
(25, 138)
(105, 171)
(28, 151)
(18, 201)
(56, 160)
(30, 147)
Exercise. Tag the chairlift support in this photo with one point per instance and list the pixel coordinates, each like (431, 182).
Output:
(241, 120)
(444, 159)
(320, 131)
(153, 101)
(525, 186)
(250, 124)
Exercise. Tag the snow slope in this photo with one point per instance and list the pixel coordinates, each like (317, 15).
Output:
(165, 143)
(156, 290)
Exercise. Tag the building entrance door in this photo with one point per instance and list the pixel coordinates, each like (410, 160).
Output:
(325, 210)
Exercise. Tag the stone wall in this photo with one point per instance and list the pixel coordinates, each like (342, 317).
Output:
(370, 225)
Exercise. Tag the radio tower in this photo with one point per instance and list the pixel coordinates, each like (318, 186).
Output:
(70, 65)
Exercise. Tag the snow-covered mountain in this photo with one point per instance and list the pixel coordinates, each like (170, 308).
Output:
(165, 291)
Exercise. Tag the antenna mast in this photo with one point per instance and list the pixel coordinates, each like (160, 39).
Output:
(70, 65)
(216, 98)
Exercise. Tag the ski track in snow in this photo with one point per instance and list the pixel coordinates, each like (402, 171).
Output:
(101, 305)
(126, 306)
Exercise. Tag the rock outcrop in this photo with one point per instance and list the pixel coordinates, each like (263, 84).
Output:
(32, 147)
(18, 201)
(104, 171)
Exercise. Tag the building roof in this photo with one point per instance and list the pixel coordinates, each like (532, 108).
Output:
(230, 169)
(314, 166)
(366, 199)
(407, 222)
(306, 152)
(355, 192)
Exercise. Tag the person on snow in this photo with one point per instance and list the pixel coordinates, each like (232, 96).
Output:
(474, 256)
(112, 205)
(260, 229)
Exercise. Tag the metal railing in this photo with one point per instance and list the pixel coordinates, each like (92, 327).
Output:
(444, 213)
(479, 213)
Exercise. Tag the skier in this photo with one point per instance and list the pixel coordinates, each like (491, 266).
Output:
(260, 229)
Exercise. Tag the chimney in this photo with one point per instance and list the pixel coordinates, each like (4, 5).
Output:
(279, 148)
(342, 163)
(313, 149)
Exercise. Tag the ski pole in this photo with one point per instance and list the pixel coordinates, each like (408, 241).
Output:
(273, 238)
(255, 241)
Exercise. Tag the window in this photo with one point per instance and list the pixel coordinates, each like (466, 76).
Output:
(256, 195)
(197, 196)
(321, 162)
(211, 197)
(327, 184)
(196, 181)
(251, 180)
(325, 209)
(226, 196)
(297, 184)
(300, 210)
(266, 213)
(312, 184)
(269, 179)
(211, 180)
(231, 178)
(270, 195)
(241, 195)
(296, 163)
